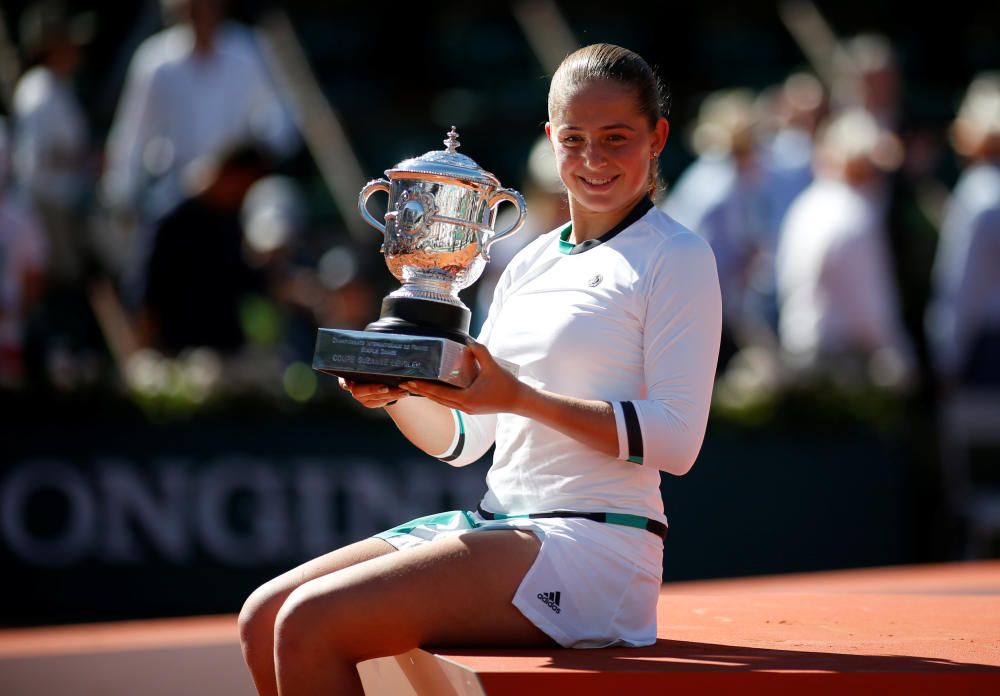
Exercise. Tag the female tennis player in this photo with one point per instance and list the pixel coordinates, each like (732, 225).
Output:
(613, 322)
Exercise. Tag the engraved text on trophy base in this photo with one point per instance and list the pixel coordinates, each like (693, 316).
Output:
(381, 357)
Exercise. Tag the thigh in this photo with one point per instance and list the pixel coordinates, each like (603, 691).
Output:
(277, 589)
(452, 591)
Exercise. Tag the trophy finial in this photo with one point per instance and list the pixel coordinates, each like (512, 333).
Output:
(452, 142)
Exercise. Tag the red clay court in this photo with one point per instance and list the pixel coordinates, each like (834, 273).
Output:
(914, 630)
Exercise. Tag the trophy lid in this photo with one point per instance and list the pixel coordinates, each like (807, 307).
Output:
(445, 163)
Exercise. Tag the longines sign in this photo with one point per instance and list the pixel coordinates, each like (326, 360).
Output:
(116, 517)
(236, 510)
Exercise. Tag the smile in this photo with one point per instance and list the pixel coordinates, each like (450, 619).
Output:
(598, 182)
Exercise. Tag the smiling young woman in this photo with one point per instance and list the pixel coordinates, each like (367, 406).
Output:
(607, 132)
(613, 322)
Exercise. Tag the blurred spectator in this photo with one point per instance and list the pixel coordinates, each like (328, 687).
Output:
(192, 90)
(839, 313)
(963, 322)
(22, 267)
(51, 144)
(798, 107)
(198, 276)
(867, 77)
(545, 197)
(723, 197)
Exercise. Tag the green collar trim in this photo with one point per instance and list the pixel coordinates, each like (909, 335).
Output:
(566, 246)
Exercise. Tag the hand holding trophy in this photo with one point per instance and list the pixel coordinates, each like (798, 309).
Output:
(437, 234)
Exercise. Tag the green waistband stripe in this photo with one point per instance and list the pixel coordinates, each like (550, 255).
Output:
(626, 520)
(619, 518)
(450, 520)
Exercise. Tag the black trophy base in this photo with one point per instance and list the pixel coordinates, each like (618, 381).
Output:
(413, 339)
(406, 315)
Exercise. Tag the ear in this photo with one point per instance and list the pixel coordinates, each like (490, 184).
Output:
(660, 132)
(548, 131)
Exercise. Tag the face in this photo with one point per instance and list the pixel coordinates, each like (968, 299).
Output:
(200, 12)
(604, 146)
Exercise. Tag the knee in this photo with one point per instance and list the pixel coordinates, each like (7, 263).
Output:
(311, 626)
(257, 618)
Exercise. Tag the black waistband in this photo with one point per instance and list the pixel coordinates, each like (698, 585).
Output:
(637, 521)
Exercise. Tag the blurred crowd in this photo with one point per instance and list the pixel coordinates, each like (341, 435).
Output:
(170, 255)
(168, 258)
(843, 256)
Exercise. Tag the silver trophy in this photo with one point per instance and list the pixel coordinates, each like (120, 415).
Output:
(438, 231)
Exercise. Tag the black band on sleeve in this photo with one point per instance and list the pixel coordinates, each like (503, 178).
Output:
(460, 445)
(633, 431)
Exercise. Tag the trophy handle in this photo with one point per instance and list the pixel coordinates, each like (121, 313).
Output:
(511, 196)
(370, 188)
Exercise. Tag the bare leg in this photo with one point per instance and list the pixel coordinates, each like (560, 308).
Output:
(260, 609)
(454, 591)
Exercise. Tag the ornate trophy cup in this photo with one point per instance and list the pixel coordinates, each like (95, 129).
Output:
(437, 234)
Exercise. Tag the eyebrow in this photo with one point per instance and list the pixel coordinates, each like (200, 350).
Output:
(613, 126)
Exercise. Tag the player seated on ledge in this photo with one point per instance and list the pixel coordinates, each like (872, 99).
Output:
(614, 323)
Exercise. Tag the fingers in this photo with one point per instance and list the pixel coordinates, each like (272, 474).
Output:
(439, 393)
(480, 352)
(372, 395)
(428, 389)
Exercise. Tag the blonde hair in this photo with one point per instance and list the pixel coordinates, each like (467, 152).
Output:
(981, 106)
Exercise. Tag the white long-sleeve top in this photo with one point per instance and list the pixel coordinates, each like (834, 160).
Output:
(634, 319)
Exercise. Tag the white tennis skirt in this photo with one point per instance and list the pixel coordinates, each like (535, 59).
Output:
(593, 584)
